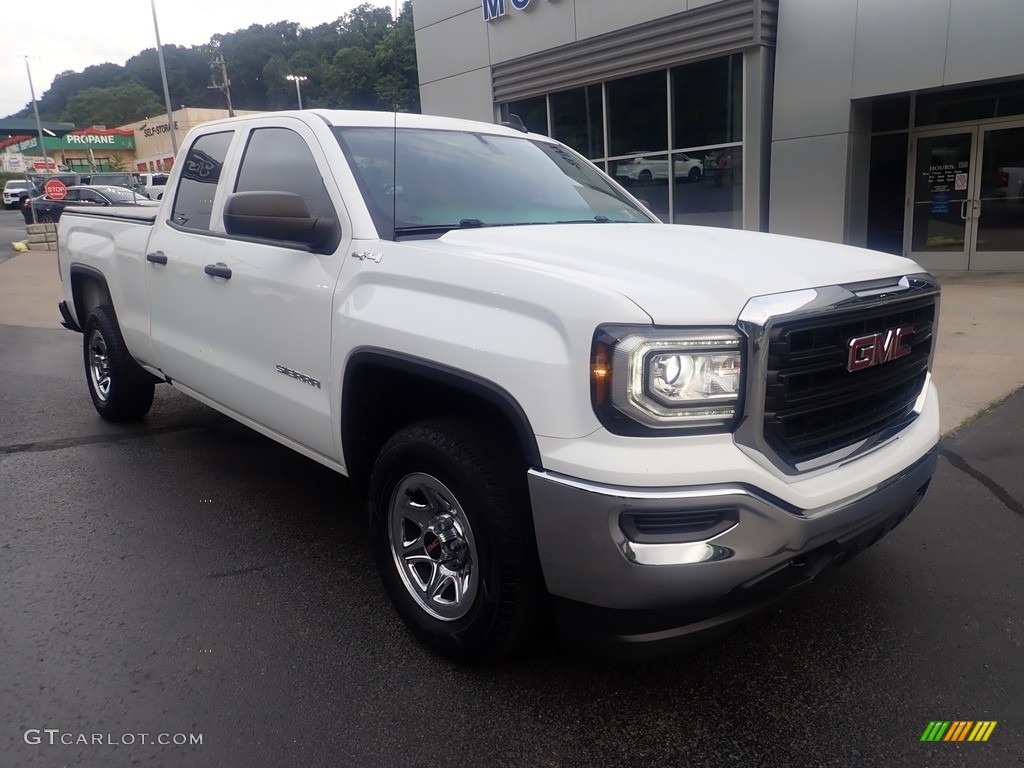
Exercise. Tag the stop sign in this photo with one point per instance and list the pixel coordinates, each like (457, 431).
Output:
(55, 189)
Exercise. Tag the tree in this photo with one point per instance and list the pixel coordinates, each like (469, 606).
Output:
(364, 59)
(397, 86)
(112, 106)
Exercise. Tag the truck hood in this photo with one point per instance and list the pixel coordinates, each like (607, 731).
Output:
(676, 274)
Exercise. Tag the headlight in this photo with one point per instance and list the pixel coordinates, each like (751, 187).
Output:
(665, 378)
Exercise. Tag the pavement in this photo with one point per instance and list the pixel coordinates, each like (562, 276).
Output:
(980, 323)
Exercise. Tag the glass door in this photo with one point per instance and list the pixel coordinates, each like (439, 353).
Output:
(999, 228)
(942, 216)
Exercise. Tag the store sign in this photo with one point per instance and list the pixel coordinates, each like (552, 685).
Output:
(97, 140)
(495, 9)
(155, 130)
(90, 139)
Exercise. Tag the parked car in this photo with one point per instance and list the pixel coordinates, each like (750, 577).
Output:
(154, 184)
(648, 169)
(127, 180)
(13, 191)
(48, 210)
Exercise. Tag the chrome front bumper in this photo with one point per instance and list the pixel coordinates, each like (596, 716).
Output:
(598, 576)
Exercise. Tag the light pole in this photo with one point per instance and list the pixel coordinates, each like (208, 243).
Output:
(298, 88)
(39, 124)
(163, 76)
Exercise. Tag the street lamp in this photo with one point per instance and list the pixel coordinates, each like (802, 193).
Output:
(298, 88)
(39, 124)
(163, 75)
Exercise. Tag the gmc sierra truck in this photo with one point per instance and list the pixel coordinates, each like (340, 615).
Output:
(555, 405)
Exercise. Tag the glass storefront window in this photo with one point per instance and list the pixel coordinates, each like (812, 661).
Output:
(887, 180)
(693, 176)
(577, 119)
(637, 114)
(646, 176)
(533, 112)
(707, 102)
(715, 198)
(965, 104)
(890, 113)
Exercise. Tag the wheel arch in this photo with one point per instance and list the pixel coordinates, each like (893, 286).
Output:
(89, 290)
(371, 409)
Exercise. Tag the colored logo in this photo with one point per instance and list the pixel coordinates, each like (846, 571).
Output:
(958, 730)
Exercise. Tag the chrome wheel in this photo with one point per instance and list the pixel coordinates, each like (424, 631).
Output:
(99, 365)
(433, 547)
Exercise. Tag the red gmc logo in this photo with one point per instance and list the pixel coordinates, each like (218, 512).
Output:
(878, 348)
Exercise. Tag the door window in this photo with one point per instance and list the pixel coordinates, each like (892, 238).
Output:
(279, 160)
(197, 185)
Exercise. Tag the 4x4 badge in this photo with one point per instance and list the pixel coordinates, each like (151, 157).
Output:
(364, 255)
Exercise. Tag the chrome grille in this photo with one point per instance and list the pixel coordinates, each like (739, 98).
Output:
(803, 409)
(814, 406)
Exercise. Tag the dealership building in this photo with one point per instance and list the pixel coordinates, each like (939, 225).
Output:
(899, 126)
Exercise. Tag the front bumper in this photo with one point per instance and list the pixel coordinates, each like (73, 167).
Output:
(616, 595)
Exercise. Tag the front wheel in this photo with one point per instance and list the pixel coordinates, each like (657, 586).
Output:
(452, 534)
(119, 388)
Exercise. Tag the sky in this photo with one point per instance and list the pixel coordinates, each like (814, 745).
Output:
(59, 35)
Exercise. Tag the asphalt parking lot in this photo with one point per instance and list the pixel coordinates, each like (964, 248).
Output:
(185, 576)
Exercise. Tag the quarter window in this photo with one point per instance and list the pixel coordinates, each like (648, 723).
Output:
(197, 185)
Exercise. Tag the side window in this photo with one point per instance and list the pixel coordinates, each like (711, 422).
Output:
(278, 160)
(197, 185)
(88, 196)
(71, 196)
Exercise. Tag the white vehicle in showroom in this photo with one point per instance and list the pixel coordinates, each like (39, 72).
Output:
(646, 169)
(555, 404)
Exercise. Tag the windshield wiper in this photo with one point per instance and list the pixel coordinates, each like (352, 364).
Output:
(599, 219)
(434, 229)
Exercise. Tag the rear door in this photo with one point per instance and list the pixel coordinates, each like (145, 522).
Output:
(261, 328)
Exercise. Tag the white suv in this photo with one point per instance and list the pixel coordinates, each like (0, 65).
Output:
(13, 190)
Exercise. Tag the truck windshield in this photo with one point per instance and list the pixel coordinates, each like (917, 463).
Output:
(433, 181)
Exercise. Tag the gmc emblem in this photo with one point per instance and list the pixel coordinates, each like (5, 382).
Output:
(878, 348)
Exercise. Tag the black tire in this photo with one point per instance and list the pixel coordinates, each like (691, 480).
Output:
(694, 174)
(119, 388)
(646, 176)
(451, 473)
(47, 218)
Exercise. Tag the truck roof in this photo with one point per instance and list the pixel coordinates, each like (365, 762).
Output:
(349, 118)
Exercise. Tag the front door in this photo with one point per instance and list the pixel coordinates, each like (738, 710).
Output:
(967, 198)
(999, 229)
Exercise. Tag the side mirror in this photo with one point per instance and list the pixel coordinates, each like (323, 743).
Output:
(279, 216)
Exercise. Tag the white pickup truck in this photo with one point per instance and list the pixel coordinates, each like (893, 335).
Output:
(555, 404)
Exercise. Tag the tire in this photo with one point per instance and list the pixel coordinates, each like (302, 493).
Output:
(694, 174)
(453, 538)
(46, 218)
(119, 388)
(645, 176)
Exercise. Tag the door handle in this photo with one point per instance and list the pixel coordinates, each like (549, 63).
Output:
(220, 269)
(157, 258)
(963, 209)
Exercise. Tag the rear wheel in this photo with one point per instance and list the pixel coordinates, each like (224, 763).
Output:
(119, 388)
(694, 174)
(452, 533)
